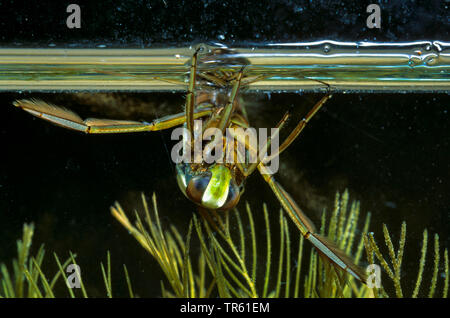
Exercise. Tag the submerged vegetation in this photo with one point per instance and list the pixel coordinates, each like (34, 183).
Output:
(232, 259)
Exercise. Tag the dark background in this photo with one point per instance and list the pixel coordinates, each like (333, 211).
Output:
(164, 23)
(390, 150)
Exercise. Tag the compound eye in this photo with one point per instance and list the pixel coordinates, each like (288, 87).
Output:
(197, 187)
(232, 198)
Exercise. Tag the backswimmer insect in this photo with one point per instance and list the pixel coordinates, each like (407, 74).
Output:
(217, 185)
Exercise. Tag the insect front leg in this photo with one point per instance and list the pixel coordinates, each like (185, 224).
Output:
(300, 126)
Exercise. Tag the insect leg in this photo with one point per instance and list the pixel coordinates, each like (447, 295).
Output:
(68, 119)
(248, 169)
(190, 98)
(231, 105)
(300, 126)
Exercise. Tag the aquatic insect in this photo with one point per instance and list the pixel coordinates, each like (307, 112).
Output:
(217, 185)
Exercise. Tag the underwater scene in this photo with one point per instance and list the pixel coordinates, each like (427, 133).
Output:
(203, 160)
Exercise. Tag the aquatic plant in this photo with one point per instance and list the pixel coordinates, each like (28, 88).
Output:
(28, 280)
(228, 265)
(233, 272)
(232, 259)
(394, 272)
